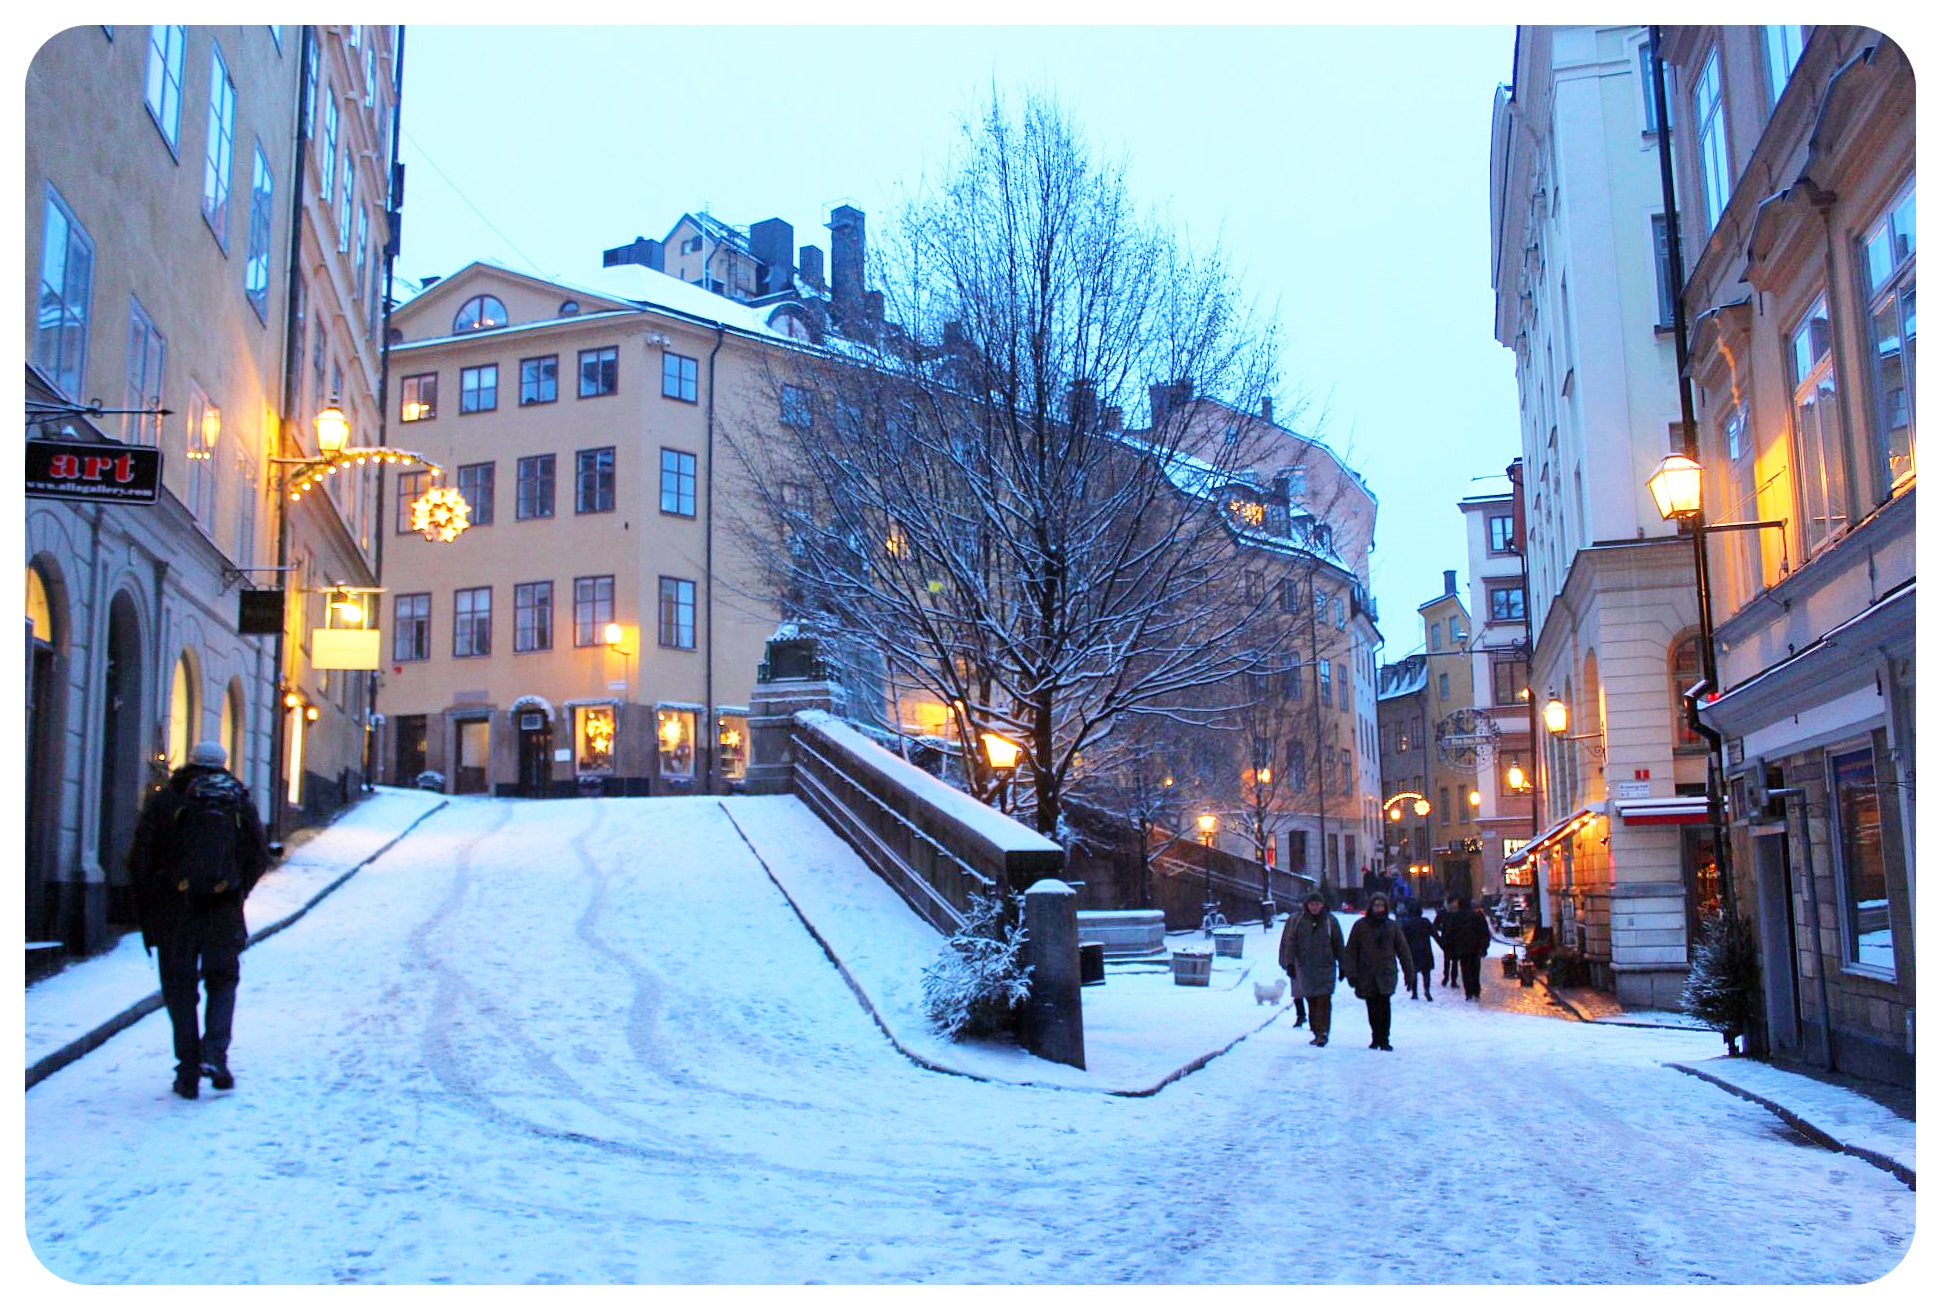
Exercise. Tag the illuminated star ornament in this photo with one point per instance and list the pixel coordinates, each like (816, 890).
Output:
(440, 514)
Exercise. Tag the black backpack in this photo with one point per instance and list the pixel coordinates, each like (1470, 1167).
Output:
(206, 836)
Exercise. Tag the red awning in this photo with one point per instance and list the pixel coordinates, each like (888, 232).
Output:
(1663, 809)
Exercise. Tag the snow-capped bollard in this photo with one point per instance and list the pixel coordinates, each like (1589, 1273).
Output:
(1053, 1026)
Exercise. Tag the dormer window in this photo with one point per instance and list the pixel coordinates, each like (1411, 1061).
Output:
(568, 308)
(480, 313)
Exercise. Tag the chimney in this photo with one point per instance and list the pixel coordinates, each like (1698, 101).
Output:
(1267, 408)
(773, 244)
(1082, 404)
(638, 251)
(1115, 419)
(846, 274)
(1165, 397)
(1448, 582)
(811, 270)
(426, 283)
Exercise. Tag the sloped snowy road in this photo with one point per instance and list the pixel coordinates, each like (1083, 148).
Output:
(589, 1041)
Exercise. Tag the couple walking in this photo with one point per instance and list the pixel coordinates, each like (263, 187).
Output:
(1374, 958)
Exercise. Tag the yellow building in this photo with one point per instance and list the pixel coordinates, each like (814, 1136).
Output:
(599, 624)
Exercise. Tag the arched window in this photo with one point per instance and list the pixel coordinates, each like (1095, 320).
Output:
(183, 712)
(1685, 671)
(479, 313)
(232, 727)
(568, 308)
(40, 611)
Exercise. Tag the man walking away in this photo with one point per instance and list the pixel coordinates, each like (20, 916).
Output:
(1466, 940)
(197, 853)
(1376, 947)
(1440, 929)
(1415, 929)
(1310, 952)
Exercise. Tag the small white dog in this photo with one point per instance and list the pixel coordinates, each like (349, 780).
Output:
(1270, 993)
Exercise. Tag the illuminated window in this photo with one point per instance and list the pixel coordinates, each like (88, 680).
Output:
(731, 743)
(674, 732)
(419, 401)
(594, 734)
(480, 313)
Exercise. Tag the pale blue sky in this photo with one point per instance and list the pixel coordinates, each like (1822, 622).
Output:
(1344, 170)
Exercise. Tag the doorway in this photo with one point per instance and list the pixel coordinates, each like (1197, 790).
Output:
(535, 753)
(474, 755)
(408, 758)
(121, 751)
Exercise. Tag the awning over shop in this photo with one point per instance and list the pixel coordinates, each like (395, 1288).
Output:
(1556, 834)
(1662, 809)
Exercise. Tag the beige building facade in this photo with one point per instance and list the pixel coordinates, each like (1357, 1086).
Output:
(163, 170)
(1797, 208)
(1499, 656)
(589, 430)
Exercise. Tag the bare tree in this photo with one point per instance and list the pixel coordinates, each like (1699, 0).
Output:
(960, 492)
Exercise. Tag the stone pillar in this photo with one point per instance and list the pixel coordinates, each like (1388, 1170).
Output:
(792, 677)
(1054, 1021)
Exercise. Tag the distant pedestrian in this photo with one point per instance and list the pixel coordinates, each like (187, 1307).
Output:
(1377, 957)
(1311, 954)
(197, 853)
(1440, 930)
(1416, 929)
(1465, 939)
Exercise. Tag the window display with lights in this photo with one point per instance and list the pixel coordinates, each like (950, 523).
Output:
(675, 731)
(594, 730)
(731, 741)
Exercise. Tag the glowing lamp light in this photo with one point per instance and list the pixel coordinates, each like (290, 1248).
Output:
(1394, 814)
(613, 635)
(349, 610)
(1677, 486)
(1207, 824)
(1001, 752)
(1516, 777)
(1475, 798)
(1422, 808)
(333, 429)
(1556, 715)
(311, 714)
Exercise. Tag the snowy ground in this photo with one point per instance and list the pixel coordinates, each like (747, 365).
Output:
(592, 1042)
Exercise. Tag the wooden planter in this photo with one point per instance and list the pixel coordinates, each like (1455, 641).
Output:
(1192, 969)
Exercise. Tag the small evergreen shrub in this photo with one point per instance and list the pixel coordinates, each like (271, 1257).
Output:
(1724, 981)
(977, 982)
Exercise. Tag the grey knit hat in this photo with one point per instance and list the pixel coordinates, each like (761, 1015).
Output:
(209, 755)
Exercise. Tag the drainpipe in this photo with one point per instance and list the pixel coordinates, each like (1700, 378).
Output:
(292, 370)
(707, 581)
(1688, 427)
(393, 202)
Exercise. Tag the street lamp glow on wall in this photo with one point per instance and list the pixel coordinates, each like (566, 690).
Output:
(1207, 824)
(333, 429)
(1556, 715)
(1678, 487)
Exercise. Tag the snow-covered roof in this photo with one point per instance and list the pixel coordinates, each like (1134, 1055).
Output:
(1403, 678)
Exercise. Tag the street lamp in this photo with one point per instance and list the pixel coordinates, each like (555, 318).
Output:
(1678, 487)
(1516, 777)
(1556, 721)
(615, 636)
(1001, 753)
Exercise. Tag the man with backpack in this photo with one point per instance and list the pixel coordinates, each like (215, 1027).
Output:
(197, 853)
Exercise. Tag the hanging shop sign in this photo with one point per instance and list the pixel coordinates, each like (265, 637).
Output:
(259, 611)
(93, 470)
(344, 648)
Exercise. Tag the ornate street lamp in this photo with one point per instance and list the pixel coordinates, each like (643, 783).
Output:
(1209, 824)
(1002, 754)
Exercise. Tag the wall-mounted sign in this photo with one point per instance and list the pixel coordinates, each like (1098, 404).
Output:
(93, 470)
(344, 648)
(259, 611)
(1630, 791)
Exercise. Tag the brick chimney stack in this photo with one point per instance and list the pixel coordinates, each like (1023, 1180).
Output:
(847, 244)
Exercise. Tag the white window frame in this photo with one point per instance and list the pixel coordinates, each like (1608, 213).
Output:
(1819, 454)
(146, 368)
(162, 88)
(1714, 149)
(219, 157)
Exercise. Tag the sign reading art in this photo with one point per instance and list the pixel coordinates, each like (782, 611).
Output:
(93, 470)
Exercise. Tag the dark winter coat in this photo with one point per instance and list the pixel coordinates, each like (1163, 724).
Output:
(160, 903)
(1415, 929)
(1466, 932)
(1311, 951)
(1375, 948)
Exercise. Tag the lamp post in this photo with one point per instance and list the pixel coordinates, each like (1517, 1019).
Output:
(1556, 721)
(1208, 825)
(615, 638)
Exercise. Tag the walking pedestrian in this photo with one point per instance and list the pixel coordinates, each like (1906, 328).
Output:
(1376, 947)
(197, 853)
(1440, 929)
(1466, 940)
(1416, 929)
(1311, 953)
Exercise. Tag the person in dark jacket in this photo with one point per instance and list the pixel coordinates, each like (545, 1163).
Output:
(1416, 929)
(1310, 953)
(189, 888)
(1440, 930)
(1376, 947)
(1466, 940)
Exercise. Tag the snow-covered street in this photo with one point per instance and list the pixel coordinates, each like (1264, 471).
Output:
(591, 1042)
